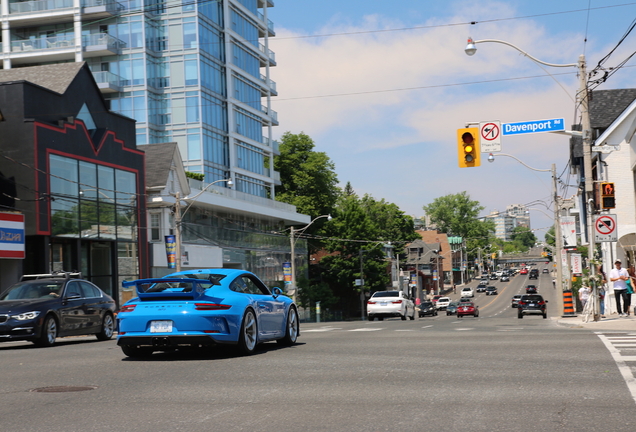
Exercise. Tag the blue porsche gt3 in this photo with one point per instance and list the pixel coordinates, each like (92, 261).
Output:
(201, 308)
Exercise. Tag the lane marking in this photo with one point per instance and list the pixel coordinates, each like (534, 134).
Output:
(323, 329)
(624, 369)
(366, 329)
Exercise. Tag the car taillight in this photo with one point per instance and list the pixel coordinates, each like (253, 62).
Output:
(370, 302)
(520, 303)
(397, 302)
(127, 308)
(211, 306)
(541, 303)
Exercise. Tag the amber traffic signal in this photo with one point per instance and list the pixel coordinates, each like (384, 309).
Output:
(608, 200)
(468, 151)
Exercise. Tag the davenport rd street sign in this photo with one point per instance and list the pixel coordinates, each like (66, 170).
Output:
(550, 125)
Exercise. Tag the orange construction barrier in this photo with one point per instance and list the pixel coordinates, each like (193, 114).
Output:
(568, 304)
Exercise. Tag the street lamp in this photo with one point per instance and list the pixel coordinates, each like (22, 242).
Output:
(178, 216)
(583, 98)
(292, 240)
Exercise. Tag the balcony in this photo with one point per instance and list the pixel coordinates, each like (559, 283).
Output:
(268, 53)
(96, 9)
(271, 84)
(271, 113)
(108, 82)
(60, 48)
(41, 12)
(101, 44)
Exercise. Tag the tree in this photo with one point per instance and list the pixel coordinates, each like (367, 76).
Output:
(457, 214)
(524, 236)
(308, 178)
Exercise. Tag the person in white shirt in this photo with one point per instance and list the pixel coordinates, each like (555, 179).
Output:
(619, 276)
(584, 295)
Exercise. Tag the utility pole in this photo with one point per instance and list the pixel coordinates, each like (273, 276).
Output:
(177, 230)
(361, 285)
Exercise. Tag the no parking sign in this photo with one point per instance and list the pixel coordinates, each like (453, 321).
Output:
(605, 228)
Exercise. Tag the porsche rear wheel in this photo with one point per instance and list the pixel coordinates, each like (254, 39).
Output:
(292, 328)
(248, 337)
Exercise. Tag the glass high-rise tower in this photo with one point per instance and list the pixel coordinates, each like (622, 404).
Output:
(192, 72)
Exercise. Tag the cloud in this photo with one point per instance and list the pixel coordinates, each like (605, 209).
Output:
(385, 105)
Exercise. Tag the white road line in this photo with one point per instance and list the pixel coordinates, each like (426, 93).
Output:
(625, 370)
(428, 326)
(366, 329)
(323, 329)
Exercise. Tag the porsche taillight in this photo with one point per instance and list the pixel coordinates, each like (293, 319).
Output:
(127, 308)
(211, 306)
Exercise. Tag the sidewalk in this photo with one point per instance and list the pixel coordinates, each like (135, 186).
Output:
(611, 323)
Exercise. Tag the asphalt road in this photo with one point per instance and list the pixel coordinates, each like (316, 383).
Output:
(492, 373)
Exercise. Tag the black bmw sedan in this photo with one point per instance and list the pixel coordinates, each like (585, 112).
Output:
(41, 308)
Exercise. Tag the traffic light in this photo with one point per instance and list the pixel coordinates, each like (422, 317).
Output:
(608, 201)
(468, 152)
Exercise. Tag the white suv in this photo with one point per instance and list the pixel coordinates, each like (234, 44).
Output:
(442, 303)
(467, 292)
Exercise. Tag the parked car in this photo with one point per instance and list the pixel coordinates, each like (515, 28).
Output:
(385, 304)
(531, 289)
(203, 308)
(40, 308)
(467, 308)
(491, 290)
(442, 303)
(532, 304)
(467, 292)
(426, 308)
(452, 308)
(481, 287)
(515, 300)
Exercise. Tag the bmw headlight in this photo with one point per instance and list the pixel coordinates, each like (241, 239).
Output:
(26, 315)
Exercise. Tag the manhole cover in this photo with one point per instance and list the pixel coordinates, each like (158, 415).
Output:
(62, 389)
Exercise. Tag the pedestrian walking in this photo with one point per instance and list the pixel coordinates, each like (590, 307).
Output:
(584, 295)
(619, 276)
(601, 291)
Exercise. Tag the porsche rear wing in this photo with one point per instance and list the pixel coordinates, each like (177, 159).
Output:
(169, 288)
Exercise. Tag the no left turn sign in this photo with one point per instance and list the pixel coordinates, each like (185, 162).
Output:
(490, 136)
(605, 228)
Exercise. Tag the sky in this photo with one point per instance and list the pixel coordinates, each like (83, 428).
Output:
(382, 87)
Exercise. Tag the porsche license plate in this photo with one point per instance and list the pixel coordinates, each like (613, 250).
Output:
(160, 326)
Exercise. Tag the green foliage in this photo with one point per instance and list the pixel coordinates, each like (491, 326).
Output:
(524, 236)
(308, 178)
(195, 176)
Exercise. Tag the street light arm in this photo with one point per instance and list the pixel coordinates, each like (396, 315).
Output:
(491, 158)
(470, 50)
(301, 230)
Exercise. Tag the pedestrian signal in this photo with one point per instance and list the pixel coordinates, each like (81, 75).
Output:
(608, 199)
(468, 151)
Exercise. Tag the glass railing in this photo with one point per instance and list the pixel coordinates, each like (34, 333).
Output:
(108, 78)
(231, 193)
(271, 83)
(111, 5)
(54, 42)
(39, 6)
(268, 52)
(97, 39)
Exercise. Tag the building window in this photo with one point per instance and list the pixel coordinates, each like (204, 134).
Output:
(155, 227)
